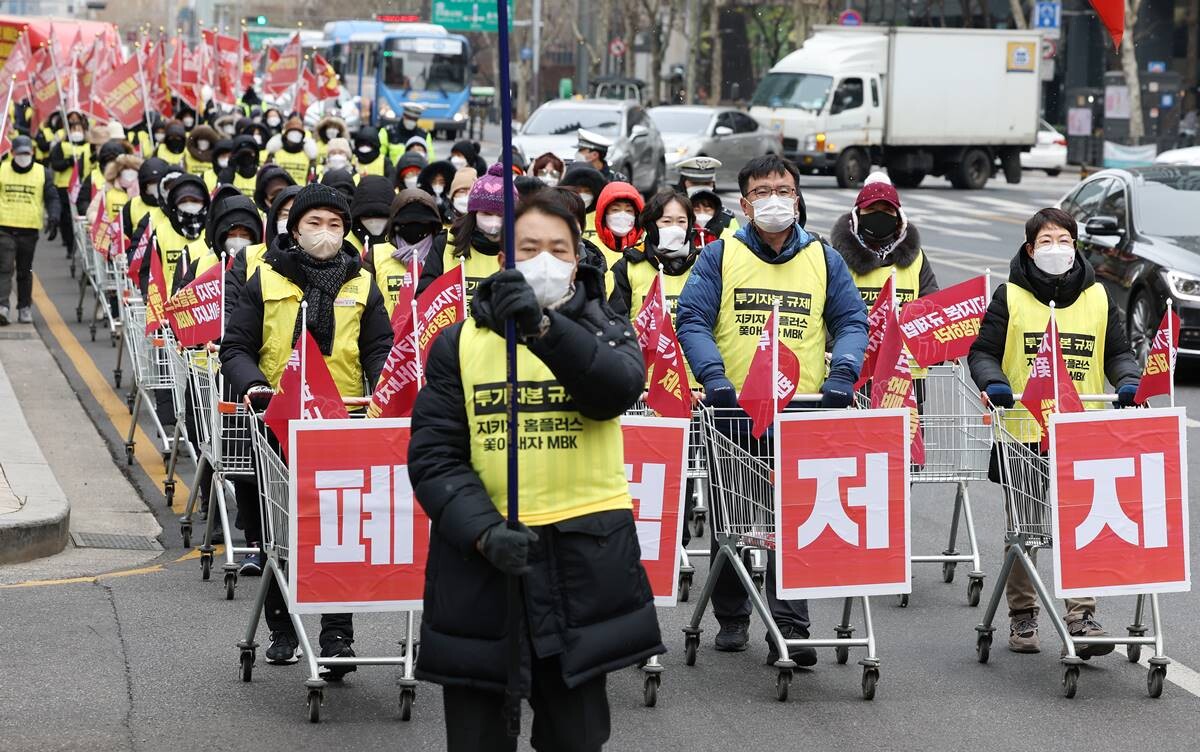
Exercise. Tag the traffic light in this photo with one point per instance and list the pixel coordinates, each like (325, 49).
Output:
(256, 20)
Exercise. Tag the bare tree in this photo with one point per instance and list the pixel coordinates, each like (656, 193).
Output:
(717, 72)
(659, 17)
(1129, 64)
(1018, 14)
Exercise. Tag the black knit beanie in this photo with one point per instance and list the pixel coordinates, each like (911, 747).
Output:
(318, 196)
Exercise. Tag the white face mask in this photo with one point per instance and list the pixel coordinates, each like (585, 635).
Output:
(294, 137)
(364, 150)
(702, 220)
(152, 191)
(202, 145)
(438, 189)
(409, 123)
(188, 122)
(587, 200)
(228, 129)
(222, 162)
(410, 181)
(191, 207)
(337, 162)
(23, 160)
(77, 137)
(332, 133)
(550, 277)
(694, 189)
(489, 224)
(672, 238)
(460, 203)
(273, 122)
(320, 244)
(774, 213)
(258, 139)
(233, 245)
(1054, 259)
(621, 223)
(549, 180)
(128, 177)
(375, 226)
(281, 226)
(582, 157)
(458, 162)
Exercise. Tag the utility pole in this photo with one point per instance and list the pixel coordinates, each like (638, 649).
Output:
(690, 24)
(536, 87)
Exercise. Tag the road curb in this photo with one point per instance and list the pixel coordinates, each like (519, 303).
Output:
(40, 526)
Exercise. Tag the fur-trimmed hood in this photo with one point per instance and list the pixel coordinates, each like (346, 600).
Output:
(202, 133)
(123, 162)
(860, 260)
(330, 122)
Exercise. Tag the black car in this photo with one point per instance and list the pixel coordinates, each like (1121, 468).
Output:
(1140, 229)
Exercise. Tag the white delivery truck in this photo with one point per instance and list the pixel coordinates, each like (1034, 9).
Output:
(919, 101)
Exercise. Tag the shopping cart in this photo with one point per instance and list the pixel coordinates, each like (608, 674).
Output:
(154, 371)
(1025, 478)
(741, 473)
(82, 250)
(274, 495)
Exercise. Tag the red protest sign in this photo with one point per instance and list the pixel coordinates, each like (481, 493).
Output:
(195, 312)
(283, 72)
(155, 295)
(439, 306)
(943, 326)
(877, 318)
(892, 382)
(1118, 498)
(328, 84)
(1160, 362)
(649, 320)
(771, 379)
(43, 85)
(655, 452)
(670, 392)
(358, 537)
(120, 92)
(306, 391)
(1040, 397)
(842, 504)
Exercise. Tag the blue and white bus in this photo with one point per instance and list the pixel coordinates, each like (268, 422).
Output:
(424, 63)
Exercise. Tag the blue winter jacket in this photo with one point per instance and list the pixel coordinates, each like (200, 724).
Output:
(700, 305)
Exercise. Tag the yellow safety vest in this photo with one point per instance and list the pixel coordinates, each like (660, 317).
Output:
(171, 245)
(168, 156)
(479, 266)
(21, 202)
(62, 178)
(373, 168)
(199, 256)
(114, 201)
(138, 209)
(254, 258)
(243, 184)
(389, 273)
(749, 288)
(281, 305)
(193, 165)
(570, 466)
(295, 165)
(210, 179)
(1082, 329)
(908, 281)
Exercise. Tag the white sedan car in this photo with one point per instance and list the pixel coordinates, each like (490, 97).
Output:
(1049, 153)
(1189, 155)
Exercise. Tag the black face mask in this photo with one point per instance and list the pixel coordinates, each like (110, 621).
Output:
(247, 163)
(191, 225)
(413, 233)
(175, 144)
(877, 225)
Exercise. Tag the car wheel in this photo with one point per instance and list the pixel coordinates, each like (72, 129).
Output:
(1142, 324)
(1054, 173)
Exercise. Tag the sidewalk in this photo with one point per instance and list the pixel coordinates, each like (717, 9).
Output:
(63, 478)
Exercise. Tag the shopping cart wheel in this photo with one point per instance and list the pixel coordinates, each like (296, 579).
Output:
(842, 653)
(230, 585)
(205, 566)
(1070, 681)
(169, 492)
(974, 590)
(698, 525)
(129, 453)
(782, 682)
(869, 680)
(904, 600)
(650, 690)
(92, 331)
(948, 572)
(314, 705)
(129, 402)
(983, 646)
(1154, 681)
(685, 586)
(247, 664)
(185, 532)
(1133, 653)
(407, 696)
(690, 644)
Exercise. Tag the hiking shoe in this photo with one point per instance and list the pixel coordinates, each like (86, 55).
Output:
(1023, 633)
(25, 315)
(282, 650)
(3, 315)
(1087, 626)
(336, 646)
(802, 655)
(733, 637)
(252, 564)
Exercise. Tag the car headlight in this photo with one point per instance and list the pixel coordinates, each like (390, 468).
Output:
(459, 117)
(1182, 285)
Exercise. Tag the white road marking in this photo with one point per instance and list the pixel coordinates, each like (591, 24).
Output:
(938, 258)
(1177, 673)
(971, 234)
(1003, 203)
(1193, 423)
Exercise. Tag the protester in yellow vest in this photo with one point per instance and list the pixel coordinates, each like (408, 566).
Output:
(368, 155)
(668, 224)
(173, 146)
(587, 606)
(346, 316)
(139, 207)
(436, 180)
(460, 194)
(370, 210)
(416, 232)
(221, 152)
(293, 150)
(246, 262)
(339, 157)
(475, 238)
(65, 157)
(1091, 332)
(328, 129)
(618, 233)
(271, 179)
(185, 208)
(198, 156)
(120, 184)
(28, 204)
(233, 226)
(720, 316)
(243, 165)
(698, 181)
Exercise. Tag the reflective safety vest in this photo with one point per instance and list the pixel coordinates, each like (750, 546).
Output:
(1082, 330)
(641, 276)
(281, 304)
(21, 203)
(295, 165)
(749, 287)
(81, 152)
(210, 180)
(197, 255)
(389, 273)
(114, 201)
(254, 258)
(138, 209)
(479, 266)
(908, 281)
(171, 245)
(193, 165)
(168, 156)
(378, 167)
(570, 465)
(244, 184)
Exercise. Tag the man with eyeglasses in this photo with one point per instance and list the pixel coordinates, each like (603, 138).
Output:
(721, 312)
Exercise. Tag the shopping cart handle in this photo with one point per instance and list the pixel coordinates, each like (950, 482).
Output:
(356, 401)
(1082, 397)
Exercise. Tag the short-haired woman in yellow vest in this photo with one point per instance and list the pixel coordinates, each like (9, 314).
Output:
(587, 605)
(1046, 268)
(28, 205)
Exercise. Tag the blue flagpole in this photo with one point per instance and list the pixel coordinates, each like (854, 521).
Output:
(515, 623)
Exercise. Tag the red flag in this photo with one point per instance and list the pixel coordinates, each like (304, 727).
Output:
(766, 388)
(1112, 15)
(877, 320)
(98, 222)
(43, 85)
(399, 381)
(249, 62)
(1038, 397)
(74, 184)
(227, 52)
(439, 306)
(156, 294)
(670, 394)
(313, 396)
(329, 85)
(942, 326)
(649, 321)
(120, 91)
(146, 243)
(5, 143)
(195, 312)
(1160, 363)
(283, 72)
(17, 66)
(892, 383)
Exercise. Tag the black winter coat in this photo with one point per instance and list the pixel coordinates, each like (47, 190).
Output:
(587, 598)
(244, 327)
(1120, 365)
(861, 261)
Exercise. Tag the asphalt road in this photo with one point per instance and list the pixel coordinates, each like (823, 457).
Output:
(148, 661)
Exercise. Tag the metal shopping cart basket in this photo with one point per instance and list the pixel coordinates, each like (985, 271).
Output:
(1024, 474)
(741, 475)
(154, 372)
(274, 496)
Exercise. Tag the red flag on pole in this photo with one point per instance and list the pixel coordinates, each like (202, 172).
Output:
(17, 66)
(156, 294)
(120, 91)
(399, 381)
(98, 222)
(306, 391)
(43, 85)
(670, 393)
(1112, 15)
(329, 84)
(771, 379)
(228, 57)
(5, 143)
(283, 72)
(307, 93)
(1158, 375)
(74, 183)
(146, 243)
(1050, 388)
(649, 321)
(943, 326)
(249, 62)
(439, 306)
(194, 312)
(877, 320)
(892, 383)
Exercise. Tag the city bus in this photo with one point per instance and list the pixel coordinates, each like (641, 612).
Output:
(424, 63)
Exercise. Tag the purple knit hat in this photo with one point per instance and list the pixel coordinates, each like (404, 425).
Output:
(487, 195)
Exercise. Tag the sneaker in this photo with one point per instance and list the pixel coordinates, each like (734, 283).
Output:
(3, 315)
(733, 637)
(1087, 626)
(252, 564)
(1023, 633)
(336, 646)
(282, 650)
(803, 656)
(25, 315)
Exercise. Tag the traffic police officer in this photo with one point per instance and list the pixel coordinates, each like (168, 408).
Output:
(698, 181)
(593, 151)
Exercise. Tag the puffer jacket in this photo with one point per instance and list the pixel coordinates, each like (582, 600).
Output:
(860, 260)
(609, 194)
(586, 598)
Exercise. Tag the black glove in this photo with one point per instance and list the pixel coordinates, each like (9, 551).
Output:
(720, 393)
(837, 393)
(507, 550)
(51, 229)
(1000, 395)
(259, 397)
(513, 298)
(1126, 395)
